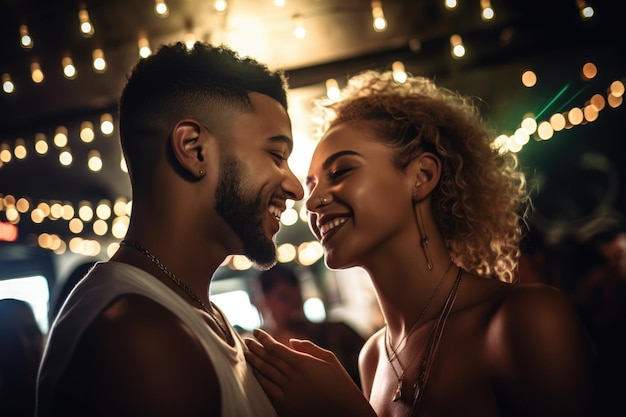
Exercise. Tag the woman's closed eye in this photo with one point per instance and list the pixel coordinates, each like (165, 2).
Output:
(336, 174)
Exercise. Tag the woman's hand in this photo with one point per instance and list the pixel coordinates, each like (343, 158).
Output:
(304, 380)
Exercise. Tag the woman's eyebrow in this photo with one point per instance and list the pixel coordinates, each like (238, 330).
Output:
(328, 162)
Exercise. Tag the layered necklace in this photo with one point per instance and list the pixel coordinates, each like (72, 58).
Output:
(431, 346)
(180, 284)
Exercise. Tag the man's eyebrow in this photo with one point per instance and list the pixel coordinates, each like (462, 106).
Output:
(282, 138)
(328, 162)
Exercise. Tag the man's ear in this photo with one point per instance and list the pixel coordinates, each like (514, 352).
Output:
(425, 170)
(190, 147)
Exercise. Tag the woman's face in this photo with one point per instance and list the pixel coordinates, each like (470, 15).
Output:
(369, 200)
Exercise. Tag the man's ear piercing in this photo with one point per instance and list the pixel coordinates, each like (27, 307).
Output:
(201, 173)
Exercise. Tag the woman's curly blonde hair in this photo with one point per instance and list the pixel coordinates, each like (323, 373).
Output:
(481, 202)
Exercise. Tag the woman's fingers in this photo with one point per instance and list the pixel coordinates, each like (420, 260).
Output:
(261, 360)
(310, 348)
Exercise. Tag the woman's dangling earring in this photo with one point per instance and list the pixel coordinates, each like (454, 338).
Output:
(424, 237)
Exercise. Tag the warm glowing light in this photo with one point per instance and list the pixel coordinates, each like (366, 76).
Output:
(545, 131)
(456, 45)
(87, 133)
(241, 263)
(220, 6)
(487, 13)
(286, 252)
(94, 161)
(76, 225)
(106, 124)
(86, 27)
(69, 70)
(41, 144)
(20, 149)
(5, 153)
(299, 31)
(85, 211)
(99, 63)
(22, 205)
(144, 47)
(379, 22)
(590, 112)
(558, 122)
(529, 78)
(399, 73)
(289, 217)
(60, 137)
(589, 71)
(7, 84)
(332, 89)
(190, 40)
(100, 227)
(529, 124)
(65, 157)
(450, 4)
(36, 74)
(25, 39)
(310, 252)
(161, 9)
(575, 116)
(103, 209)
(616, 88)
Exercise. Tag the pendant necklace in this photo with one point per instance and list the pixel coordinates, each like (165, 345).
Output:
(180, 284)
(435, 334)
(395, 351)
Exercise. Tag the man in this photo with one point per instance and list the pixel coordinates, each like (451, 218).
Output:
(206, 137)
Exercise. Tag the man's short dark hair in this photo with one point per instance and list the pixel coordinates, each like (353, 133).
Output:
(206, 82)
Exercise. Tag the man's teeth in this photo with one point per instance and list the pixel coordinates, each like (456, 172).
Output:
(275, 211)
(327, 227)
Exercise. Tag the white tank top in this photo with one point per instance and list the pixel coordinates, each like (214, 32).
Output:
(241, 393)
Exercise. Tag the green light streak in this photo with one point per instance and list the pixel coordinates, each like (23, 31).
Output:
(556, 97)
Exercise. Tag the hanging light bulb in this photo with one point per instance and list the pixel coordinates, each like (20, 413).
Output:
(144, 47)
(99, 63)
(7, 84)
(332, 89)
(25, 39)
(36, 74)
(86, 27)
(585, 11)
(456, 44)
(69, 70)
(160, 8)
(379, 22)
(299, 31)
(220, 6)
(486, 11)
(399, 73)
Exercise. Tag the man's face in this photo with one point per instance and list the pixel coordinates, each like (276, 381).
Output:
(243, 212)
(255, 179)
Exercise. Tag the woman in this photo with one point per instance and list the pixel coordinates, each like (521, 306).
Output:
(406, 184)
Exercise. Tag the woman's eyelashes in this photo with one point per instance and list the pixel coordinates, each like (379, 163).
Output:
(337, 173)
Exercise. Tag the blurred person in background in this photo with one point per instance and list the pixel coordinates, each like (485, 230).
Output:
(278, 297)
(21, 347)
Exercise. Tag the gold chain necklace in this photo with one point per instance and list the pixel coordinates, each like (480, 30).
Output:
(396, 350)
(180, 284)
(430, 347)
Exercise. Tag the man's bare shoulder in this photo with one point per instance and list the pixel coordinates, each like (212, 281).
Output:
(138, 358)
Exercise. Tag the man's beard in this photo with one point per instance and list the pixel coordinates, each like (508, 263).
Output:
(241, 211)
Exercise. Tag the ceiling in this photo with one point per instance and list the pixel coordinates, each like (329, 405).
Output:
(548, 37)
